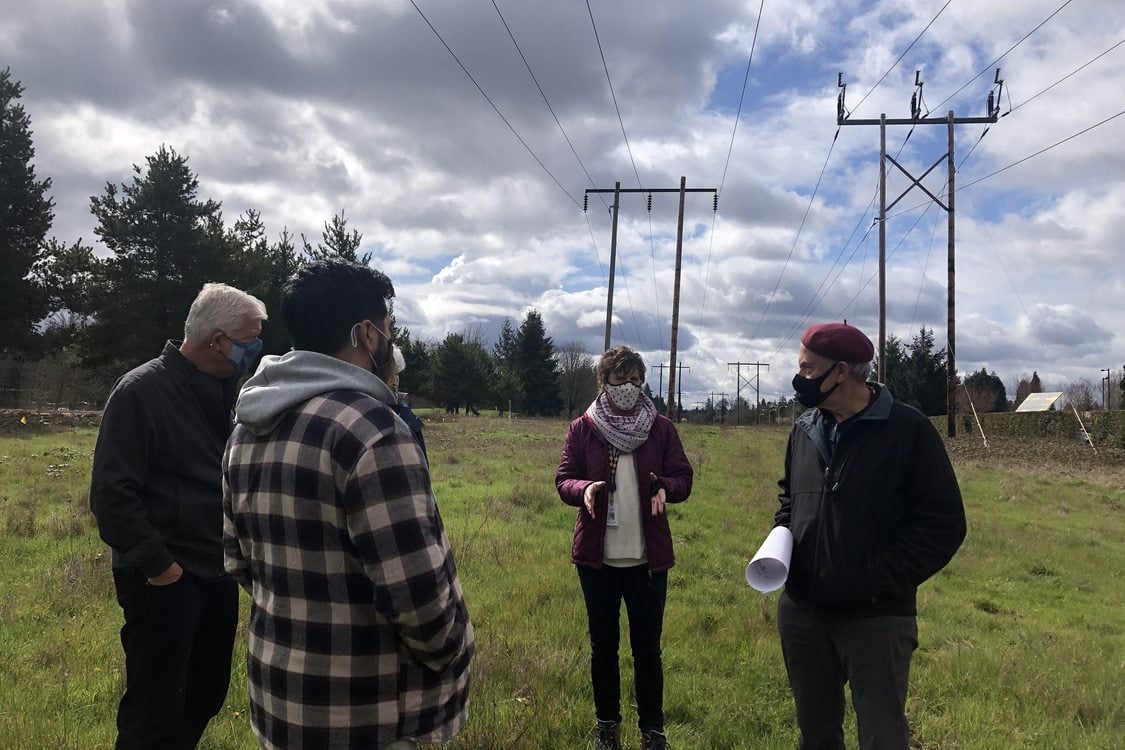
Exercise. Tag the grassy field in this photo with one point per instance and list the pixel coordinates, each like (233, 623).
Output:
(1022, 636)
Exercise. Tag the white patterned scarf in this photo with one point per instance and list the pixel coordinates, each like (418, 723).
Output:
(625, 432)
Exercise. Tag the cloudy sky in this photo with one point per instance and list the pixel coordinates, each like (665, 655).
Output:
(471, 201)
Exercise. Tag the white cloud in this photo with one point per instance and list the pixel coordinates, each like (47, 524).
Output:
(301, 110)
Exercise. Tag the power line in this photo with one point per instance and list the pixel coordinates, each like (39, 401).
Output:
(803, 219)
(545, 100)
(922, 283)
(494, 107)
(574, 151)
(1043, 150)
(1068, 75)
(989, 67)
(742, 96)
(801, 228)
(609, 80)
(984, 227)
(896, 62)
(726, 164)
(929, 204)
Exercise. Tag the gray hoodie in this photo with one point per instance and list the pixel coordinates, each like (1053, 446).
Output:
(282, 383)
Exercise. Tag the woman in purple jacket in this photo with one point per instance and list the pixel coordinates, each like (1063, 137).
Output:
(621, 463)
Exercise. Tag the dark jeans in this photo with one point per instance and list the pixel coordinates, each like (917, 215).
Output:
(177, 641)
(644, 596)
(871, 653)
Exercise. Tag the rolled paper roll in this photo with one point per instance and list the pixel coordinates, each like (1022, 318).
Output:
(770, 567)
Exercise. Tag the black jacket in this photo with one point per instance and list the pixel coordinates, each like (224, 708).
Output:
(156, 485)
(872, 517)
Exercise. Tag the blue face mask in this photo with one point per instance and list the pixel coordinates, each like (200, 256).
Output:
(243, 356)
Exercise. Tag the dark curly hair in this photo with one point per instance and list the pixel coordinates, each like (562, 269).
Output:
(324, 299)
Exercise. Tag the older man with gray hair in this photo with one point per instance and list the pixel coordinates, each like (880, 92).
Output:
(874, 508)
(156, 492)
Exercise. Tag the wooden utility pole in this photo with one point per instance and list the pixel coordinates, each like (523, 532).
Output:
(682, 190)
(916, 118)
(612, 263)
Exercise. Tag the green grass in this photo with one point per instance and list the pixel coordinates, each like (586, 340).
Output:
(1022, 636)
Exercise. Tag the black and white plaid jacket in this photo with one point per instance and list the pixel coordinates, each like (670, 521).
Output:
(359, 634)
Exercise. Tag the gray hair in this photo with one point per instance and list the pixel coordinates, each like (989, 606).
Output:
(220, 307)
(860, 371)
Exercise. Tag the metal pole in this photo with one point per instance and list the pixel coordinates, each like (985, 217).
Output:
(612, 263)
(676, 298)
(882, 248)
(950, 360)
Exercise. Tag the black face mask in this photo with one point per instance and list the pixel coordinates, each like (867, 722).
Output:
(808, 389)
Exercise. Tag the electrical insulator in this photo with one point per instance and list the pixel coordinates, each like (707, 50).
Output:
(586, 202)
(715, 205)
(990, 103)
(650, 203)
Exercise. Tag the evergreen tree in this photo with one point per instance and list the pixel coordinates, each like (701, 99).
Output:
(166, 244)
(26, 213)
(986, 391)
(915, 374)
(418, 355)
(337, 242)
(507, 385)
(461, 373)
(535, 357)
(263, 269)
(67, 275)
(895, 371)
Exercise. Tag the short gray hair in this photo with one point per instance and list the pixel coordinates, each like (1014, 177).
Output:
(860, 371)
(220, 307)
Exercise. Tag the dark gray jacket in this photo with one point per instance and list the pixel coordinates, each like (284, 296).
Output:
(156, 485)
(875, 510)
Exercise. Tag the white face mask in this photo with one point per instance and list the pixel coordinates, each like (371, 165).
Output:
(624, 396)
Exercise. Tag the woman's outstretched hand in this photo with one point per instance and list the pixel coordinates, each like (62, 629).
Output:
(658, 499)
(589, 494)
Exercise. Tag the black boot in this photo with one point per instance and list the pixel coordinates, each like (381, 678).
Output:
(607, 736)
(653, 740)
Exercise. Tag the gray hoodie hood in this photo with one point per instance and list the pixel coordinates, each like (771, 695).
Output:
(282, 383)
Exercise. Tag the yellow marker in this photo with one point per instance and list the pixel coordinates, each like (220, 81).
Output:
(23, 420)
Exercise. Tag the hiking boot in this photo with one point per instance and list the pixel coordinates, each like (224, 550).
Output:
(607, 735)
(653, 740)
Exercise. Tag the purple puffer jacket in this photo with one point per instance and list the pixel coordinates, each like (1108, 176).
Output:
(585, 459)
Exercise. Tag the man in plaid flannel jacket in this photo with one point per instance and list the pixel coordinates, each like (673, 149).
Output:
(359, 636)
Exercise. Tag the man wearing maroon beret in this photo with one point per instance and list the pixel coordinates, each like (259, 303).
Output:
(874, 508)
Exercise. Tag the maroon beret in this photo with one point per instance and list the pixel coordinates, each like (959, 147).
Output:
(839, 341)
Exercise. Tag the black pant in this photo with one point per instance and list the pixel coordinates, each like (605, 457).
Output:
(177, 641)
(644, 596)
(871, 653)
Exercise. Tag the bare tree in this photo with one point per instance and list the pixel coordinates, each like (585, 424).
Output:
(1081, 395)
(577, 380)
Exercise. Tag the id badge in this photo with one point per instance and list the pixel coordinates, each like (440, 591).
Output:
(611, 511)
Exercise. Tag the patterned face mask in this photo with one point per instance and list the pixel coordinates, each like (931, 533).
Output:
(242, 356)
(624, 396)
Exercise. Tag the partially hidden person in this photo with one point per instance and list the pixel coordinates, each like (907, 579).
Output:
(156, 494)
